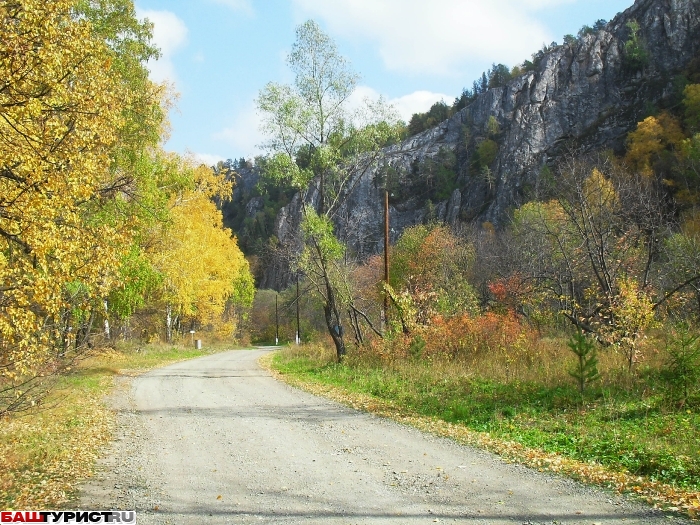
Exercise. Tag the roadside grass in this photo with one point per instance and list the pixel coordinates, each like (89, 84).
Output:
(622, 432)
(49, 450)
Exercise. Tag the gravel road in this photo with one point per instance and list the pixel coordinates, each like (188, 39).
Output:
(217, 440)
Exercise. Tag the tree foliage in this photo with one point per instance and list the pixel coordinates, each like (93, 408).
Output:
(62, 114)
(654, 139)
(84, 189)
(485, 154)
(682, 369)
(199, 260)
(430, 269)
(691, 103)
(316, 139)
(586, 369)
(437, 113)
(591, 249)
(635, 54)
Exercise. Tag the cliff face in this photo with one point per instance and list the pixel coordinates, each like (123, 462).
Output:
(586, 95)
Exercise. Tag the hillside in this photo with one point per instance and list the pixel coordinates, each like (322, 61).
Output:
(584, 95)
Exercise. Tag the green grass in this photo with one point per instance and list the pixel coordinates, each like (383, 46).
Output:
(623, 428)
(47, 451)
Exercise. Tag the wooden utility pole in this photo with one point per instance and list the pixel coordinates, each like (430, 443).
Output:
(277, 323)
(386, 258)
(298, 329)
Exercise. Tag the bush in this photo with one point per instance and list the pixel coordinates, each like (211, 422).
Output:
(636, 56)
(485, 154)
(500, 346)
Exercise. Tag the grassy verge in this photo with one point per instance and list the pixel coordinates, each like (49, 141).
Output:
(48, 451)
(621, 438)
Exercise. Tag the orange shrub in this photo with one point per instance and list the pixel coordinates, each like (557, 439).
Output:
(493, 345)
(466, 336)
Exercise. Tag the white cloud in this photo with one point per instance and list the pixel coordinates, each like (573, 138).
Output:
(169, 35)
(405, 106)
(417, 102)
(237, 5)
(207, 158)
(541, 4)
(436, 37)
(243, 137)
(357, 98)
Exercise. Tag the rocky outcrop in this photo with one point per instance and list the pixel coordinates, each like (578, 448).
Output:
(585, 95)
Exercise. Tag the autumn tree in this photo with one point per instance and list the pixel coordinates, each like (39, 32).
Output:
(652, 143)
(140, 179)
(430, 271)
(540, 250)
(322, 147)
(199, 265)
(594, 250)
(63, 105)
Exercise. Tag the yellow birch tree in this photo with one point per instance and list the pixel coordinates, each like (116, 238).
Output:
(63, 110)
(199, 259)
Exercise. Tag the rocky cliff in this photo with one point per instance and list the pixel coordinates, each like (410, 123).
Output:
(584, 95)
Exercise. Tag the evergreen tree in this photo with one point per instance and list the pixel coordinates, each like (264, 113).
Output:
(586, 368)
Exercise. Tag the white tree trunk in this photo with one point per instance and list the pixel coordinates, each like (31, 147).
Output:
(168, 323)
(106, 323)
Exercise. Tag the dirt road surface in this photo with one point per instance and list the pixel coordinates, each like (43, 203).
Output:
(216, 440)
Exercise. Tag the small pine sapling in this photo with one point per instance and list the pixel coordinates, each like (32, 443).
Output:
(586, 368)
(682, 368)
(417, 346)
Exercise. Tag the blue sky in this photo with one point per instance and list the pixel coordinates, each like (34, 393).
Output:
(218, 54)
